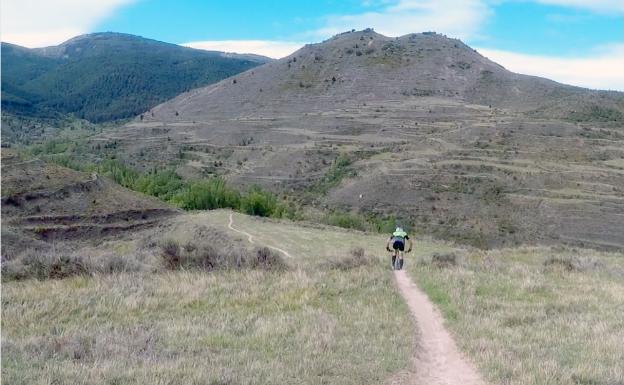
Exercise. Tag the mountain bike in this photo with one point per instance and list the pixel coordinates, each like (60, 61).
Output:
(397, 263)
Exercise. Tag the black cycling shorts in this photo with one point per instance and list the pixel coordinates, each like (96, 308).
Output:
(398, 245)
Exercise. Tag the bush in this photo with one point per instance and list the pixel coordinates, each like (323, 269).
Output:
(119, 173)
(43, 266)
(171, 254)
(266, 259)
(355, 259)
(208, 257)
(207, 195)
(444, 260)
(161, 184)
(261, 203)
(346, 220)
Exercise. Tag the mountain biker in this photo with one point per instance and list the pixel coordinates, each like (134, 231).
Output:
(397, 241)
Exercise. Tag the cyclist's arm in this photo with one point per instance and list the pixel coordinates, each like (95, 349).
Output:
(388, 244)
(410, 245)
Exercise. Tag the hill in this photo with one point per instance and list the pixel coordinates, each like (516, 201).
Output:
(420, 129)
(45, 204)
(357, 67)
(107, 76)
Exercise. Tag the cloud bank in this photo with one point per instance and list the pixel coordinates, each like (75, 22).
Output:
(271, 48)
(602, 71)
(33, 23)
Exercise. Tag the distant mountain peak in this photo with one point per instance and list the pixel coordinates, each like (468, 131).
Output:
(360, 66)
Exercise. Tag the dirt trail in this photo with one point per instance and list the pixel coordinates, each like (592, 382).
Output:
(251, 240)
(437, 361)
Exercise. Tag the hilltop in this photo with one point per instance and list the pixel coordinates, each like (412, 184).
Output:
(364, 66)
(107, 76)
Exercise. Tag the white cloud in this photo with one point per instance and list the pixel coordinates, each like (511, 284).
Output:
(34, 23)
(270, 48)
(457, 18)
(603, 6)
(602, 71)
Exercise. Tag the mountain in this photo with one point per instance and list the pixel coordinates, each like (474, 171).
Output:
(366, 66)
(107, 76)
(420, 129)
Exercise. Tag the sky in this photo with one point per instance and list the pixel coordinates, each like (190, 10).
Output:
(578, 42)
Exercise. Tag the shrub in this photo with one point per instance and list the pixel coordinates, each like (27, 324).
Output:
(207, 195)
(346, 220)
(161, 184)
(208, 257)
(444, 260)
(267, 259)
(43, 266)
(259, 202)
(355, 259)
(119, 173)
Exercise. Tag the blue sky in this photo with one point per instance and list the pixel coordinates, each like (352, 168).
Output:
(519, 26)
(579, 42)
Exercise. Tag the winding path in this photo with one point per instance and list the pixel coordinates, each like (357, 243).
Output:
(438, 361)
(251, 240)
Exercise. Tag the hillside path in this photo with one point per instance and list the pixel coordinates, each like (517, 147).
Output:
(251, 239)
(438, 361)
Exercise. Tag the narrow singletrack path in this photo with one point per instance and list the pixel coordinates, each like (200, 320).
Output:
(250, 238)
(438, 361)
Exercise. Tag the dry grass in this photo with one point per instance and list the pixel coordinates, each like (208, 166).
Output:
(306, 324)
(355, 259)
(230, 327)
(535, 315)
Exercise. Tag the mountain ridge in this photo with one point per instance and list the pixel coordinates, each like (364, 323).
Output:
(107, 76)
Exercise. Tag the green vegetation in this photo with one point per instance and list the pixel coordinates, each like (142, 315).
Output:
(107, 76)
(167, 185)
(597, 113)
(208, 195)
(357, 221)
(555, 315)
(339, 170)
(195, 195)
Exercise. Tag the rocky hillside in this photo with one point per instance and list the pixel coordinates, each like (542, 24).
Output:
(358, 67)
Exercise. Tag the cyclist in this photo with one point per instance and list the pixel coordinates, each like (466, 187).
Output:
(397, 241)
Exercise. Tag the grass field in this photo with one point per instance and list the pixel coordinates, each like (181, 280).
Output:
(534, 315)
(524, 315)
(311, 324)
(194, 328)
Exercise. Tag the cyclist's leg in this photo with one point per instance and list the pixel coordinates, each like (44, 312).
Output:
(394, 257)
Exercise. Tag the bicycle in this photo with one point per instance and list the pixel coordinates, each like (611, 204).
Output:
(397, 263)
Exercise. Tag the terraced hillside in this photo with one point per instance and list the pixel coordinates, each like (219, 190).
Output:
(421, 127)
(44, 204)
